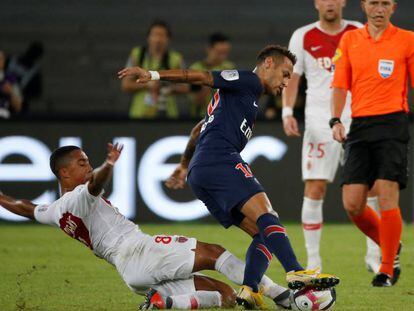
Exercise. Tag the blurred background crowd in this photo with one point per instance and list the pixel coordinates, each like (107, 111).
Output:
(59, 59)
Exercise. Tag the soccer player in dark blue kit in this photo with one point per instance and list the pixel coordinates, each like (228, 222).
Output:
(222, 180)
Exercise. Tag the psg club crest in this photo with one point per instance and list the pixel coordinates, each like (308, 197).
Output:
(385, 68)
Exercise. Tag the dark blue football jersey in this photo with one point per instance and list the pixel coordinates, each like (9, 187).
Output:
(230, 116)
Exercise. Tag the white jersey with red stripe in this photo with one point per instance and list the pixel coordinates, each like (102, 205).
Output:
(91, 220)
(314, 50)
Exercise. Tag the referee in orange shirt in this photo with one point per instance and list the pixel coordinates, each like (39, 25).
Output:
(374, 63)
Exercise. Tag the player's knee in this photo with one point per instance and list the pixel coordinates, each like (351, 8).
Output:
(354, 208)
(215, 250)
(315, 189)
(212, 250)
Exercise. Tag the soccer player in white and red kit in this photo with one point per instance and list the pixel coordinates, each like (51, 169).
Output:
(162, 265)
(314, 46)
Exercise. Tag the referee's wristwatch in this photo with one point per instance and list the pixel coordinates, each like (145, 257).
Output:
(334, 121)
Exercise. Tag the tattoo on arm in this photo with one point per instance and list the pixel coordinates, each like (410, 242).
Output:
(185, 75)
(195, 77)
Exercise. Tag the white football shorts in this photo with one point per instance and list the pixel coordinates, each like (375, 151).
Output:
(162, 262)
(321, 155)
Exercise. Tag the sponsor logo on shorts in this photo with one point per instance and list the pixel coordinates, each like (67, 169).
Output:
(181, 239)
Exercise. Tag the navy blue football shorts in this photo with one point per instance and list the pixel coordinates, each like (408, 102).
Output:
(224, 188)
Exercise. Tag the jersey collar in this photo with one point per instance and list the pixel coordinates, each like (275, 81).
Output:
(387, 34)
(344, 24)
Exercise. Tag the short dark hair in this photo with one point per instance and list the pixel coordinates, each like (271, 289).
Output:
(276, 51)
(162, 24)
(216, 38)
(58, 158)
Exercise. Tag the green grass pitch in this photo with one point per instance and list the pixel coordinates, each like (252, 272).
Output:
(43, 269)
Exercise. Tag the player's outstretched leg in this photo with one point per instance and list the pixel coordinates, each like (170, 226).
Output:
(258, 208)
(215, 257)
(209, 293)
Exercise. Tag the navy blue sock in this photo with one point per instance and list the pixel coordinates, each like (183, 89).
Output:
(258, 258)
(274, 235)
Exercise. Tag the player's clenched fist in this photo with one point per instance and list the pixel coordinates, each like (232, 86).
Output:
(114, 151)
(290, 126)
(143, 76)
(338, 132)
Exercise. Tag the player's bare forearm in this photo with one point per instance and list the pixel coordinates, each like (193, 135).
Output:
(290, 124)
(187, 76)
(338, 102)
(190, 148)
(175, 75)
(102, 175)
(177, 178)
(290, 93)
(23, 208)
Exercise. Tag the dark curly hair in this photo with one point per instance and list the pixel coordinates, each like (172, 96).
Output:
(275, 51)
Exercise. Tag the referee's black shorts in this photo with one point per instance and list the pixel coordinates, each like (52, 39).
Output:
(377, 148)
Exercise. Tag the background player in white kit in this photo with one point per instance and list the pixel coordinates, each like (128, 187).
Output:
(314, 46)
(166, 264)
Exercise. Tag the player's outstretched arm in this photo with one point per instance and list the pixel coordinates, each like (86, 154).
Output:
(102, 175)
(175, 75)
(23, 208)
(177, 178)
(290, 93)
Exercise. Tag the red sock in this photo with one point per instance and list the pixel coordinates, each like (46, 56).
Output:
(369, 223)
(390, 236)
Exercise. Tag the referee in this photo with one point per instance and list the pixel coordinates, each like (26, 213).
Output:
(374, 63)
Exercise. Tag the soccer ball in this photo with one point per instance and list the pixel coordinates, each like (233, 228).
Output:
(309, 299)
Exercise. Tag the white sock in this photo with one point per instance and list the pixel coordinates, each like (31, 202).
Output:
(198, 300)
(270, 288)
(233, 268)
(312, 228)
(373, 249)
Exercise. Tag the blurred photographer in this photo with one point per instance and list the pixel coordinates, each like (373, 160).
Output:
(10, 96)
(26, 68)
(217, 53)
(155, 99)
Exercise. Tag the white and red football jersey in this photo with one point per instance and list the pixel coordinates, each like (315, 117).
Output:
(89, 219)
(314, 50)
